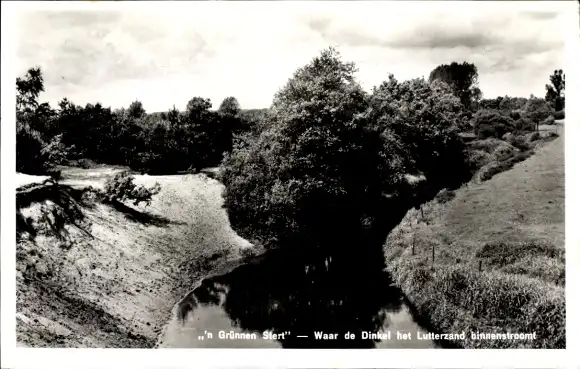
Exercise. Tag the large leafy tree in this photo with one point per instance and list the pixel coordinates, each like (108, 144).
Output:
(463, 79)
(425, 119)
(555, 90)
(314, 178)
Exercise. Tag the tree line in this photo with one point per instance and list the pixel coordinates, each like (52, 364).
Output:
(174, 141)
(325, 167)
(158, 143)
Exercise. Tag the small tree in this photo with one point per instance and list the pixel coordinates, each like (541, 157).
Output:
(136, 109)
(28, 89)
(55, 151)
(230, 106)
(537, 109)
(197, 108)
(173, 116)
(231, 121)
(555, 90)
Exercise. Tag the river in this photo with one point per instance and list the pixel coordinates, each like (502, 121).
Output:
(275, 302)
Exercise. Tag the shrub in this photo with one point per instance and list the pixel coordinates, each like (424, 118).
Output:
(515, 114)
(91, 196)
(248, 253)
(149, 163)
(122, 187)
(504, 151)
(55, 151)
(549, 121)
(560, 115)
(489, 171)
(29, 146)
(488, 145)
(534, 136)
(492, 123)
(464, 121)
(508, 136)
(521, 156)
(520, 142)
(479, 158)
(85, 163)
(444, 196)
(525, 124)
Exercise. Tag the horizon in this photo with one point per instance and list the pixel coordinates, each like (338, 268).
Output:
(114, 56)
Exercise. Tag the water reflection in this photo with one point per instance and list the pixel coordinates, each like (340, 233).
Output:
(281, 293)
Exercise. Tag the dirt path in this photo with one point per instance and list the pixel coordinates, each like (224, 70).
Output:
(112, 280)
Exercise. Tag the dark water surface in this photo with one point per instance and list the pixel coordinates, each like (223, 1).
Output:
(278, 295)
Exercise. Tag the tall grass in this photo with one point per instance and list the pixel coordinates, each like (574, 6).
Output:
(459, 298)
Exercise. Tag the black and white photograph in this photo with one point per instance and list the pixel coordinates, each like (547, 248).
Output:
(295, 175)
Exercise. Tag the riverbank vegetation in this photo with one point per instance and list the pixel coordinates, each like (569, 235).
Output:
(330, 170)
(493, 256)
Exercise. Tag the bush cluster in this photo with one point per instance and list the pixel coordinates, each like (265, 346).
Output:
(492, 123)
(549, 121)
(497, 117)
(122, 188)
(487, 172)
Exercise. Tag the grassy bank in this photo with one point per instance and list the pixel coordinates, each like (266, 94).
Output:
(96, 275)
(491, 259)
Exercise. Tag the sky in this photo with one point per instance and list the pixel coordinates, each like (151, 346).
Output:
(163, 54)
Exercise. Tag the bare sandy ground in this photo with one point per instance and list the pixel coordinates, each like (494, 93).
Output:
(113, 279)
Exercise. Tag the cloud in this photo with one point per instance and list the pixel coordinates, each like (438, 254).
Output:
(541, 15)
(166, 56)
(442, 31)
(84, 48)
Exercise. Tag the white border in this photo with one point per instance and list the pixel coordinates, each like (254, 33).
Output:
(7, 187)
(572, 176)
(177, 358)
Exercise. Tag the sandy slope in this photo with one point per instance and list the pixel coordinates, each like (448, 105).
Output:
(112, 280)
